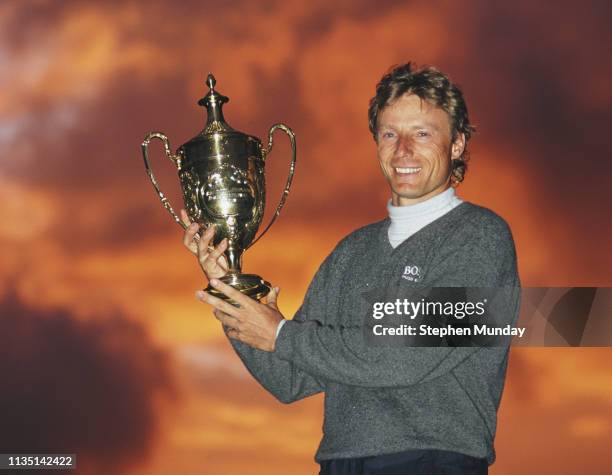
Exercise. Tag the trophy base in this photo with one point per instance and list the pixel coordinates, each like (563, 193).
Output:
(250, 285)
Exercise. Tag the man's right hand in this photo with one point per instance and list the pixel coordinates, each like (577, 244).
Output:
(212, 260)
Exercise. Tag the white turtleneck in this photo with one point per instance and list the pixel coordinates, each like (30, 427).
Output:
(407, 220)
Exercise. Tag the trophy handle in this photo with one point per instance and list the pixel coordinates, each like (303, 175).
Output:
(176, 159)
(267, 151)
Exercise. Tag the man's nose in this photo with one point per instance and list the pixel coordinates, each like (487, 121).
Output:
(404, 147)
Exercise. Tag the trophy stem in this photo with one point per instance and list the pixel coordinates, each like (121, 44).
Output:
(250, 285)
(234, 259)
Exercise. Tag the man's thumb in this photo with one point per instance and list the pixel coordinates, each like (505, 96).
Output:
(273, 296)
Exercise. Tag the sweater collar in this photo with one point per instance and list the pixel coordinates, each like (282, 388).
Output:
(429, 206)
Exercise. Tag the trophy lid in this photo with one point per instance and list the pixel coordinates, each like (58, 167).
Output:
(213, 101)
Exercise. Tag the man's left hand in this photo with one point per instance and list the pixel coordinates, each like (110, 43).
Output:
(252, 322)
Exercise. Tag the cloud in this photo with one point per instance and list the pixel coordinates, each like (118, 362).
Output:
(235, 422)
(87, 82)
(81, 84)
(92, 388)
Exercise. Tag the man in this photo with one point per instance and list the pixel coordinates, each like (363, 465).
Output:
(389, 410)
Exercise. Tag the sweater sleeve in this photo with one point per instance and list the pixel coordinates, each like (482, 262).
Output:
(282, 378)
(342, 355)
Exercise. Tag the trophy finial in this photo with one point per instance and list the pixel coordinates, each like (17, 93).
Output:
(213, 101)
(211, 81)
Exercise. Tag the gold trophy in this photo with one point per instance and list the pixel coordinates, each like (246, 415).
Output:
(222, 178)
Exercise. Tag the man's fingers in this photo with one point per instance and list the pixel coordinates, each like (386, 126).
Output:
(188, 237)
(218, 303)
(205, 240)
(190, 232)
(232, 293)
(184, 218)
(222, 262)
(225, 319)
(272, 298)
(218, 251)
(208, 258)
(233, 334)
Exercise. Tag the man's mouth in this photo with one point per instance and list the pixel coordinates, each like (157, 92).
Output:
(407, 170)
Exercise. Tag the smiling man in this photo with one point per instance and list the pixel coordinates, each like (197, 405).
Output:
(390, 410)
(415, 141)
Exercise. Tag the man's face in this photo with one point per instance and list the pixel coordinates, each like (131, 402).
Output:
(415, 149)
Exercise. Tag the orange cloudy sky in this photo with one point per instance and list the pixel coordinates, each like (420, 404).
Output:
(110, 354)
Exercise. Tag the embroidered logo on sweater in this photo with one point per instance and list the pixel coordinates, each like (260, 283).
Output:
(412, 273)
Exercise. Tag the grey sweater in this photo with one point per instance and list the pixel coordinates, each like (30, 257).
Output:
(386, 399)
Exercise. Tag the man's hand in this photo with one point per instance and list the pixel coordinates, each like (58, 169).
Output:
(211, 260)
(252, 322)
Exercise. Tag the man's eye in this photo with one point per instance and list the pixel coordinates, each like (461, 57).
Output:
(388, 135)
(423, 133)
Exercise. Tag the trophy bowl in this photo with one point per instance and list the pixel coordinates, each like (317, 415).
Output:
(222, 177)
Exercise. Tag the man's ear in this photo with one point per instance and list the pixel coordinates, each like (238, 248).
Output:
(458, 146)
